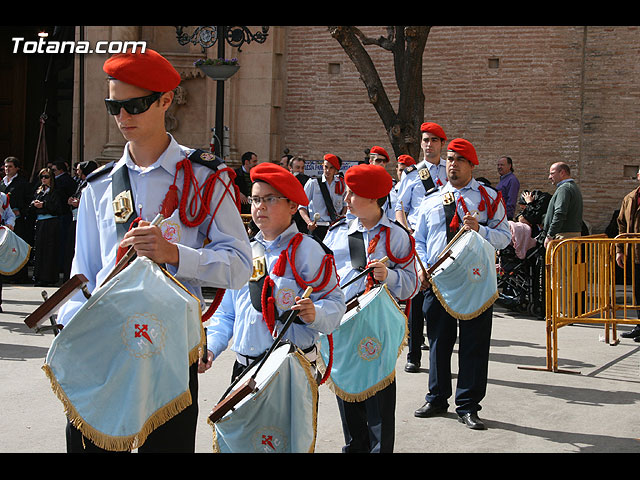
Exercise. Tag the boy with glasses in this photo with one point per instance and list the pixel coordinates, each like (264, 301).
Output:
(286, 262)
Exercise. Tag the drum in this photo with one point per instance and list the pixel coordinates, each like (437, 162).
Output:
(279, 416)
(366, 345)
(120, 366)
(14, 252)
(465, 282)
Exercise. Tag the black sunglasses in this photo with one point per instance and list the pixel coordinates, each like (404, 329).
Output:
(133, 106)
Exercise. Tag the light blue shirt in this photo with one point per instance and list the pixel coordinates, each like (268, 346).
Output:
(431, 233)
(225, 262)
(236, 318)
(6, 214)
(402, 279)
(389, 207)
(411, 191)
(316, 200)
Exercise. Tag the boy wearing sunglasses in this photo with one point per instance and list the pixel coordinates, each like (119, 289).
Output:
(157, 175)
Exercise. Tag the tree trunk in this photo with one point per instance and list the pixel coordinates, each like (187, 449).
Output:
(407, 44)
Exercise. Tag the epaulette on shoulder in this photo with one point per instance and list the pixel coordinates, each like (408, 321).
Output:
(489, 188)
(409, 169)
(339, 221)
(326, 249)
(207, 159)
(402, 227)
(100, 171)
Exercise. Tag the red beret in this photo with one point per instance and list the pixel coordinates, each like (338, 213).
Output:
(282, 180)
(368, 181)
(333, 160)
(148, 70)
(380, 151)
(464, 148)
(406, 160)
(433, 128)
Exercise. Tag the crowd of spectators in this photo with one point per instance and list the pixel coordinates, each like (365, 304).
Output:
(45, 208)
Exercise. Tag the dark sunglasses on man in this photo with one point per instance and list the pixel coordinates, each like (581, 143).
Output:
(133, 106)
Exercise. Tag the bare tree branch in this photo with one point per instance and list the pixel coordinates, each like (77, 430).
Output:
(407, 43)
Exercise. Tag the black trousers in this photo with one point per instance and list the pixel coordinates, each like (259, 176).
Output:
(177, 435)
(473, 355)
(46, 251)
(416, 329)
(369, 426)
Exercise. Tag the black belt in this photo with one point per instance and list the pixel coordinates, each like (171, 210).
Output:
(248, 360)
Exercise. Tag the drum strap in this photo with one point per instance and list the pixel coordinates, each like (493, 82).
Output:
(449, 204)
(327, 200)
(357, 251)
(427, 180)
(120, 184)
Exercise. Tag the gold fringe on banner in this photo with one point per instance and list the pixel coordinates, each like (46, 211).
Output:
(464, 316)
(114, 443)
(158, 418)
(21, 265)
(371, 391)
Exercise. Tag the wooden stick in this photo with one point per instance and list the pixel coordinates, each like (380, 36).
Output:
(129, 255)
(364, 273)
(231, 398)
(52, 303)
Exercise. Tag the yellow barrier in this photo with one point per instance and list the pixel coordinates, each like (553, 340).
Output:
(580, 287)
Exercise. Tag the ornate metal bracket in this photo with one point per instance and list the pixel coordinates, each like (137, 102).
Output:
(207, 36)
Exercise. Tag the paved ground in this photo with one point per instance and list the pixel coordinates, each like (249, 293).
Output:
(595, 410)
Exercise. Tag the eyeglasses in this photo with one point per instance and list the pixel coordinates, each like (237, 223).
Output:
(270, 200)
(133, 106)
(45, 176)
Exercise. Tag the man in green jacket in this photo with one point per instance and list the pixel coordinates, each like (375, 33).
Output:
(564, 214)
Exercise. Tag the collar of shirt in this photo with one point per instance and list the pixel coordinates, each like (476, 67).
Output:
(324, 179)
(356, 224)
(280, 241)
(564, 181)
(472, 185)
(167, 160)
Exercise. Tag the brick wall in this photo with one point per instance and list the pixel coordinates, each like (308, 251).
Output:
(537, 94)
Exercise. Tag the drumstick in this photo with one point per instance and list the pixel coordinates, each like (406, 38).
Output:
(293, 314)
(225, 404)
(130, 254)
(364, 273)
(404, 216)
(406, 224)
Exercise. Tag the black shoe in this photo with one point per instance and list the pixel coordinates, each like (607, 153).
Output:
(635, 333)
(637, 339)
(424, 346)
(429, 410)
(412, 367)
(472, 421)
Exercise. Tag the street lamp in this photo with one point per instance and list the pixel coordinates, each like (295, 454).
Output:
(206, 37)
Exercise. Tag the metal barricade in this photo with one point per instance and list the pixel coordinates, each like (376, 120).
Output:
(581, 287)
